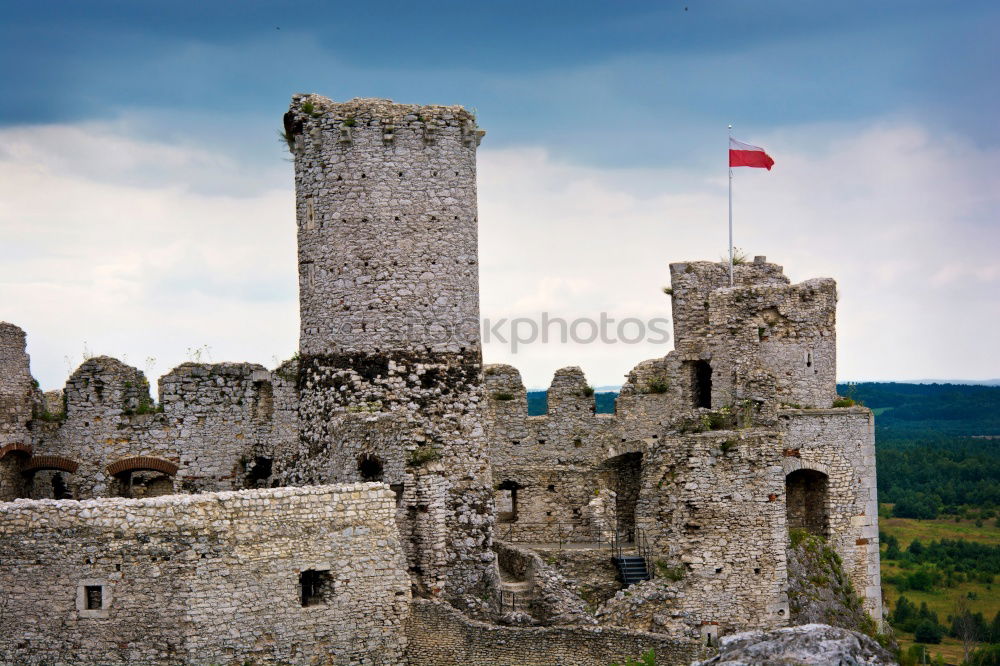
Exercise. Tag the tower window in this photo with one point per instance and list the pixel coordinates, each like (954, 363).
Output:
(93, 598)
(701, 383)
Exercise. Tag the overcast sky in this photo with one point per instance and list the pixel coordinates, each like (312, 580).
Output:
(146, 204)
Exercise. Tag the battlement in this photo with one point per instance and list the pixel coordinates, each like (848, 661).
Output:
(391, 120)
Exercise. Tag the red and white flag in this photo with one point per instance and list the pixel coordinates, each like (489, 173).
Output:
(744, 155)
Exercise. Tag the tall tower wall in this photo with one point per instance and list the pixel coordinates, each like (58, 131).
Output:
(387, 226)
(390, 367)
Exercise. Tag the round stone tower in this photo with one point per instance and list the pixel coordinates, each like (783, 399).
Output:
(387, 226)
(390, 363)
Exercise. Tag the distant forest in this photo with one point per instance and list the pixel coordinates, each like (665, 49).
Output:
(937, 445)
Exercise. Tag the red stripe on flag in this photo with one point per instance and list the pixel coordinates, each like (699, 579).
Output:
(750, 158)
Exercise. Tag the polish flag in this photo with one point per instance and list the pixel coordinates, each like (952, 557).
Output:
(744, 155)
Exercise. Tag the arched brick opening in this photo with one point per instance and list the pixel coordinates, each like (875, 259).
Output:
(39, 463)
(50, 486)
(15, 448)
(143, 476)
(806, 501)
(143, 463)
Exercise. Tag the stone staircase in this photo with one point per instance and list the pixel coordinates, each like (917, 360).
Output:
(517, 595)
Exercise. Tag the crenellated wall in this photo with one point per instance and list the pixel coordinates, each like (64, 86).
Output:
(701, 454)
(216, 427)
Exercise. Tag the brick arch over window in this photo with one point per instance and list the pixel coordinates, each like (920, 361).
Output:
(16, 447)
(38, 463)
(142, 463)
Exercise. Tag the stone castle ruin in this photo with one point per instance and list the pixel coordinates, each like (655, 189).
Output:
(384, 498)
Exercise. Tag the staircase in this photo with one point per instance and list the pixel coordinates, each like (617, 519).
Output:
(631, 569)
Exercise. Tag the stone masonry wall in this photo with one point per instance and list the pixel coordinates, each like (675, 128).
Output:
(711, 505)
(440, 636)
(16, 386)
(840, 443)
(204, 579)
(214, 423)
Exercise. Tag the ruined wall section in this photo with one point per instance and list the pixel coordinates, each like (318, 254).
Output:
(711, 506)
(16, 386)
(551, 462)
(204, 579)
(16, 404)
(787, 332)
(840, 443)
(390, 368)
(691, 284)
(216, 428)
(440, 636)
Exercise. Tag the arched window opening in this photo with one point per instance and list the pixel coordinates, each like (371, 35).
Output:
(370, 467)
(806, 501)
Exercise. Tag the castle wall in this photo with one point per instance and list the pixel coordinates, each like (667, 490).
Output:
(787, 331)
(16, 403)
(390, 369)
(840, 443)
(203, 579)
(711, 505)
(16, 386)
(213, 423)
(440, 636)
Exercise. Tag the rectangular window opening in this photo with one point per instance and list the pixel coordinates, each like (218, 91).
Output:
(314, 586)
(94, 596)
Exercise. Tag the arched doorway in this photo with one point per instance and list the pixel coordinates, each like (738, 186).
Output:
(13, 458)
(806, 501)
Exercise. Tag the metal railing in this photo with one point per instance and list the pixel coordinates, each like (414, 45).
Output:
(645, 551)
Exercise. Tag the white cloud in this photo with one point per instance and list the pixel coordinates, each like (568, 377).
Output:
(904, 221)
(142, 249)
(105, 242)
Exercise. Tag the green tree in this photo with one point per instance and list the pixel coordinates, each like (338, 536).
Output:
(927, 631)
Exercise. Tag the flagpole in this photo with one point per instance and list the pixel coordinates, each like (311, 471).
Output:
(730, 208)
